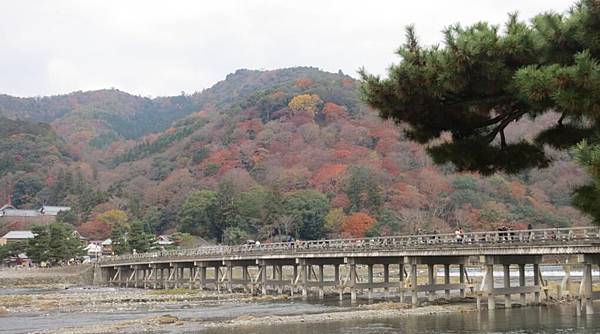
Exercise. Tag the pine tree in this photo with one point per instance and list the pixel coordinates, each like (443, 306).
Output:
(139, 241)
(118, 237)
(485, 78)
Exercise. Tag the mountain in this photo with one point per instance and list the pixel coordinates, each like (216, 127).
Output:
(284, 132)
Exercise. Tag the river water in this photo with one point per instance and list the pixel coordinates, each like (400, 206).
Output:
(531, 320)
(528, 320)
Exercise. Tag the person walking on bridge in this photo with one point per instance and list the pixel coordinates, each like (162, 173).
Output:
(459, 234)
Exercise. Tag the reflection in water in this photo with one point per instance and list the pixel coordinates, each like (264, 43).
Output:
(532, 320)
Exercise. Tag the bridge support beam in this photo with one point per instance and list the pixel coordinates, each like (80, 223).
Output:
(488, 290)
(432, 287)
(371, 284)
(244, 281)
(307, 271)
(276, 282)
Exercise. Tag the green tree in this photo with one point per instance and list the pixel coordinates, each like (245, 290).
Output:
(139, 240)
(54, 243)
(485, 78)
(309, 208)
(227, 214)
(198, 214)
(234, 235)
(12, 249)
(38, 247)
(587, 197)
(119, 237)
(67, 217)
(25, 190)
(363, 188)
(152, 219)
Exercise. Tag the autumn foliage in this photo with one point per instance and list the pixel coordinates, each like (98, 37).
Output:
(356, 225)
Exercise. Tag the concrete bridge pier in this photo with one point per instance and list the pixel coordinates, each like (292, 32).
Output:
(487, 285)
(307, 271)
(401, 282)
(338, 283)
(277, 281)
(586, 293)
(432, 286)
(565, 282)
(371, 285)
(245, 281)
(201, 275)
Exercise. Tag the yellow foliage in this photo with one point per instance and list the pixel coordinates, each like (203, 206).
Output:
(114, 218)
(305, 103)
(334, 221)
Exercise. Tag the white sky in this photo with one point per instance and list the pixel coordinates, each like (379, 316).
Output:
(164, 47)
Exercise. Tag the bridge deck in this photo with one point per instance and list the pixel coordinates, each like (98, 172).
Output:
(563, 241)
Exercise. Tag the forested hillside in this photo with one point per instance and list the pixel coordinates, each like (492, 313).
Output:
(269, 153)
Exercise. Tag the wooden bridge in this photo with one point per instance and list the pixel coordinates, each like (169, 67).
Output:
(290, 266)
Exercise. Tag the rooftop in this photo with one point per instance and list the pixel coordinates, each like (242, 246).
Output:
(53, 210)
(18, 213)
(18, 235)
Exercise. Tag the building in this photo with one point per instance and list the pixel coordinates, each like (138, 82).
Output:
(94, 251)
(53, 210)
(13, 218)
(163, 240)
(16, 236)
(106, 247)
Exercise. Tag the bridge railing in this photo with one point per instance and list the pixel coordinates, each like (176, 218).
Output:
(420, 241)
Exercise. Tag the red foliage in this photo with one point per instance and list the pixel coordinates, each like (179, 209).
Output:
(356, 225)
(95, 230)
(328, 176)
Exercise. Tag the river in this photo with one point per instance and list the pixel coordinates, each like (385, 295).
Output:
(81, 307)
(531, 320)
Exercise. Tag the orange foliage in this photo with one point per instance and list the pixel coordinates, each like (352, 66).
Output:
(333, 112)
(328, 176)
(304, 82)
(357, 225)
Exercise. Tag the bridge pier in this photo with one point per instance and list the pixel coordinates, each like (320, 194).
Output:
(487, 285)
(432, 287)
(307, 271)
(586, 293)
(371, 285)
(276, 282)
(245, 281)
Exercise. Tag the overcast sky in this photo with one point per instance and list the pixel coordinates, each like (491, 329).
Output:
(154, 48)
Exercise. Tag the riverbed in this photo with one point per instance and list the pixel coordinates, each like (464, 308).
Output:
(83, 309)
